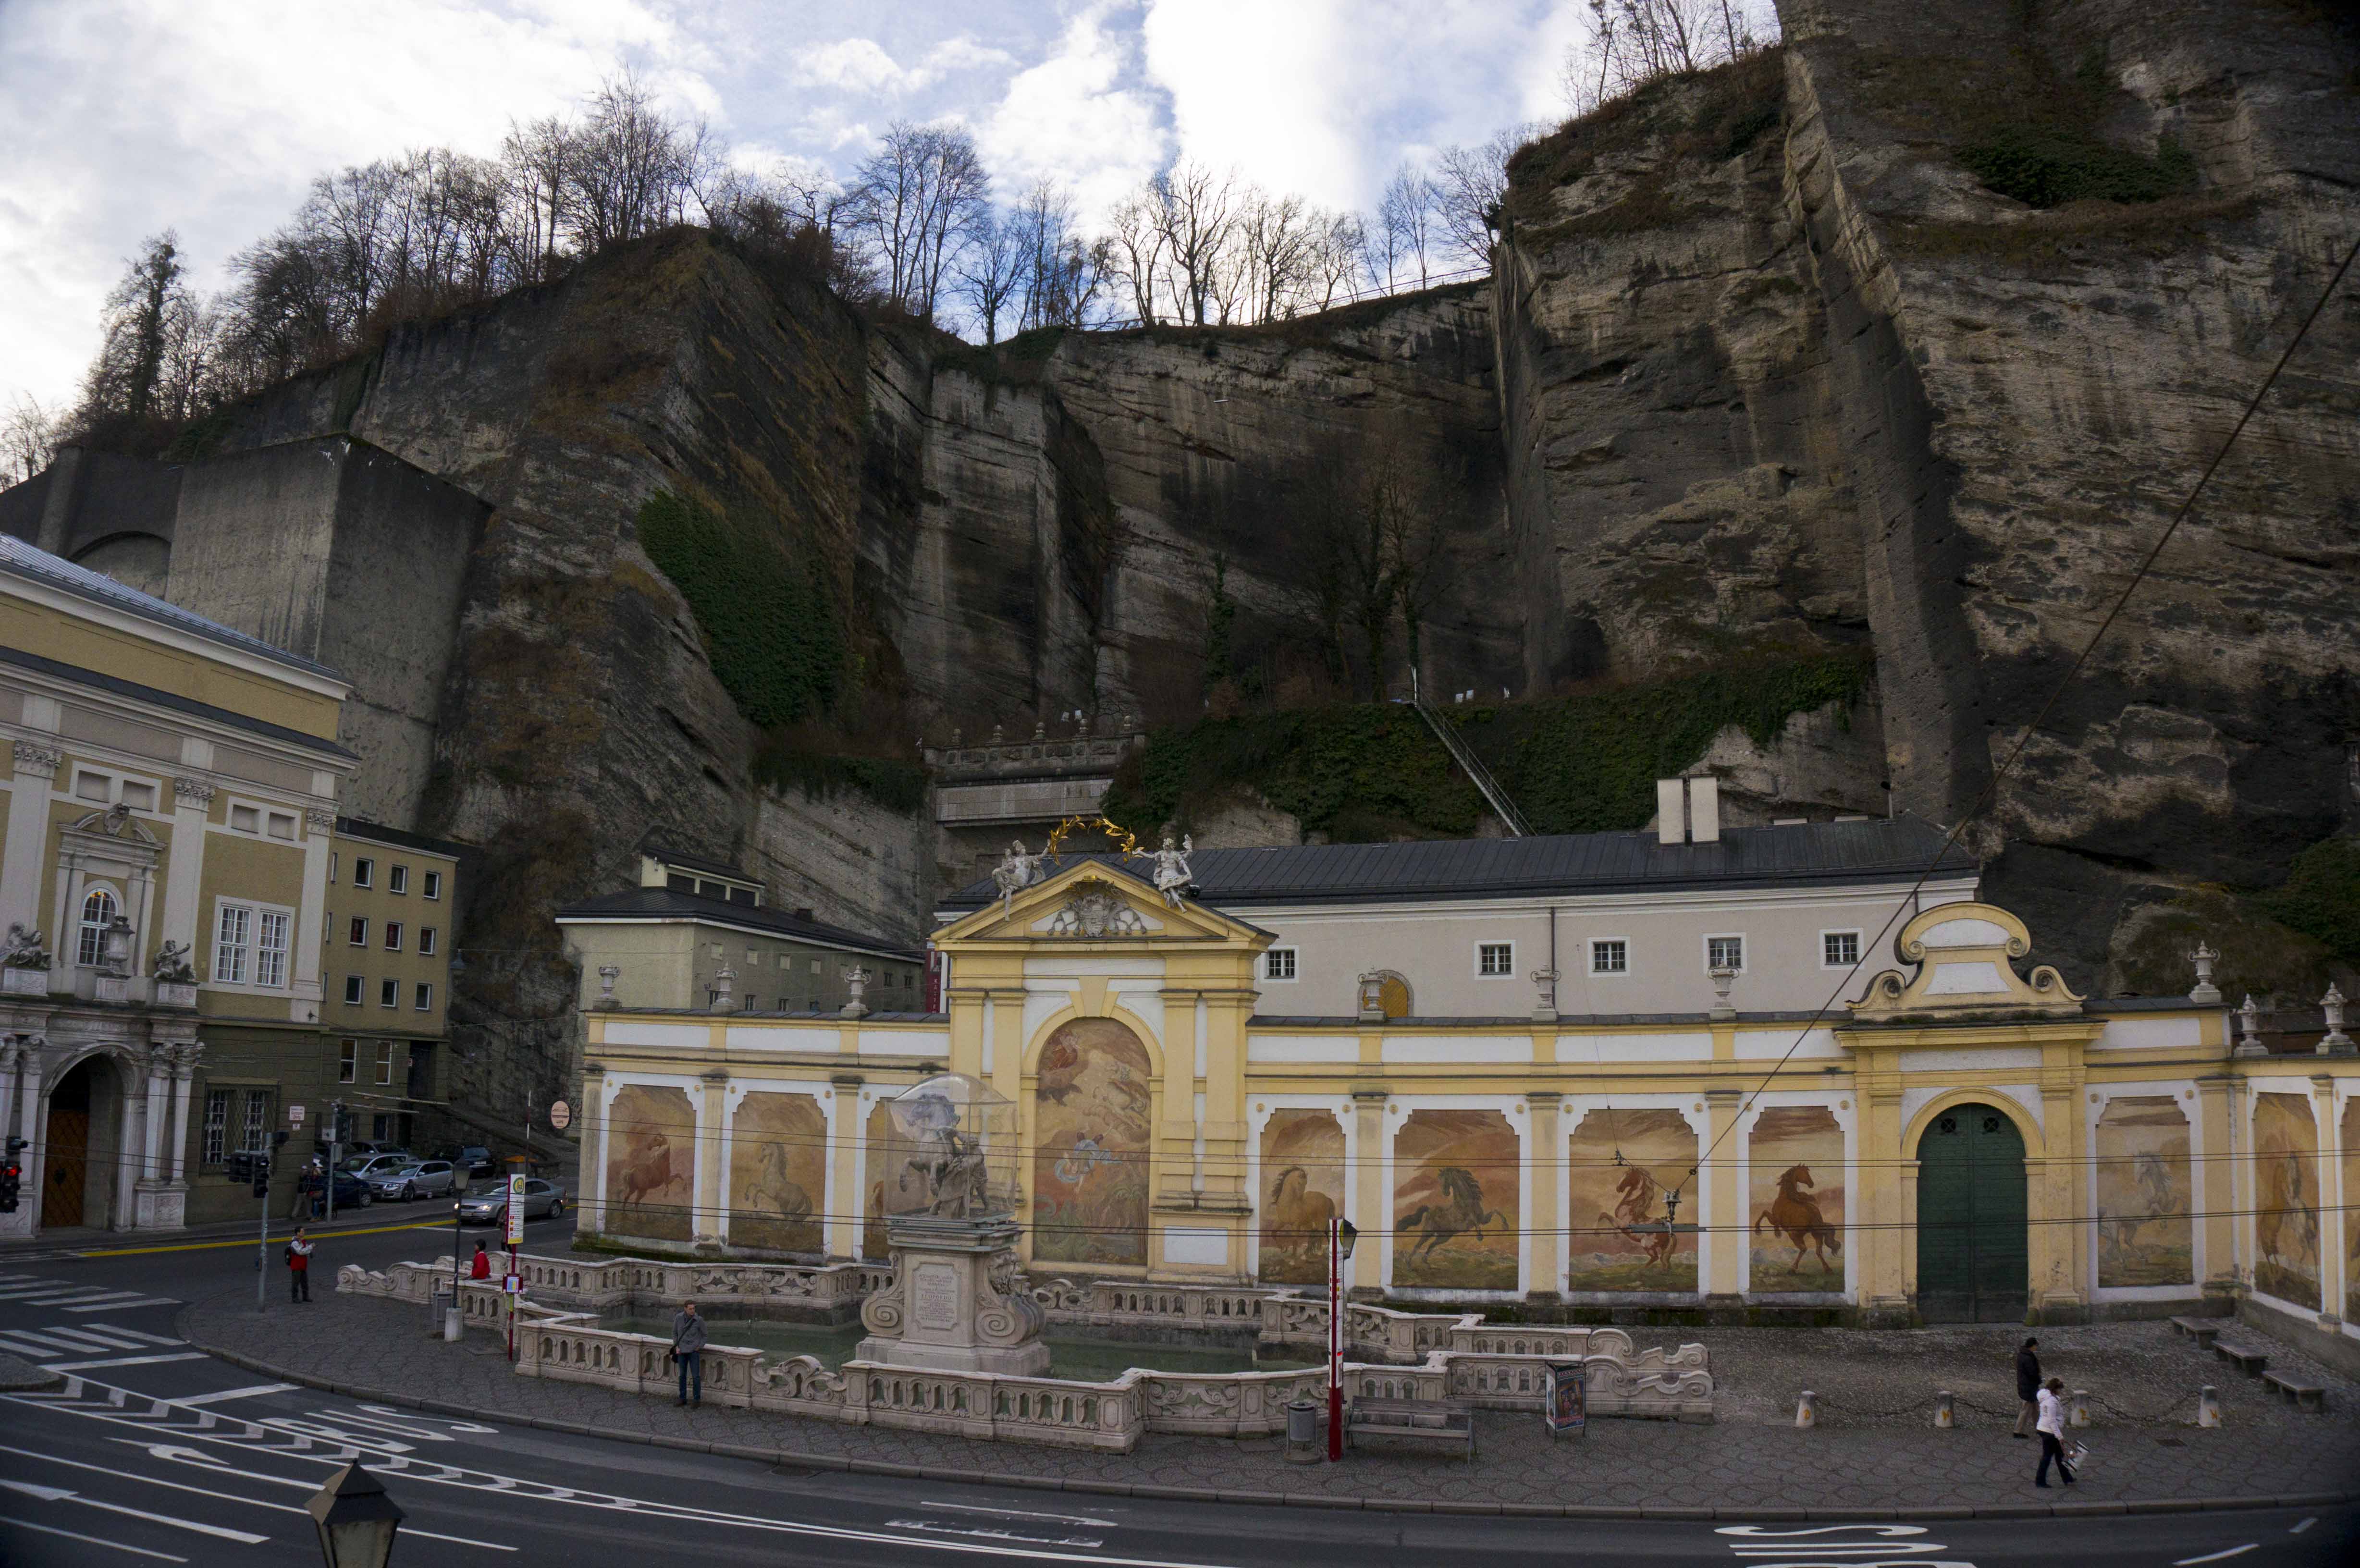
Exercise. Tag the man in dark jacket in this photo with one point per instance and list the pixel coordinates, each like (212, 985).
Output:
(2027, 1388)
(688, 1349)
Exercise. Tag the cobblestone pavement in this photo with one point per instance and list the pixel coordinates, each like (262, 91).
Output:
(1876, 1449)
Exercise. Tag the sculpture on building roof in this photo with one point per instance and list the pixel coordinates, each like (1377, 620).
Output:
(26, 948)
(1172, 874)
(1015, 872)
(172, 965)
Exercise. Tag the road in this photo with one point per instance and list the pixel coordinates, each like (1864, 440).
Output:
(158, 1453)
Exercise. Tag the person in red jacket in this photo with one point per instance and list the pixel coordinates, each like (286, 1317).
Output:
(481, 1269)
(298, 1267)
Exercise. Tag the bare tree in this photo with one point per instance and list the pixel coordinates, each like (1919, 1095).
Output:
(1406, 213)
(992, 267)
(1339, 258)
(1064, 273)
(1278, 247)
(1469, 185)
(1196, 212)
(634, 169)
(1137, 246)
(1632, 42)
(142, 310)
(912, 200)
(537, 163)
(28, 438)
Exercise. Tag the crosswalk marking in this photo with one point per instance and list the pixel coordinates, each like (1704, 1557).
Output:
(124, 1361)
(40, 1345)
(31, 1291)
(67, 1339)
(226, 1395)
(122, 1306)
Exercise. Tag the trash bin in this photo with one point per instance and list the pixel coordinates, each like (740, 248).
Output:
(438, 1305)
(1301, 1432)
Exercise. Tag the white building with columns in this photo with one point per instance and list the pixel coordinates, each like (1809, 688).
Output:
(167, 793)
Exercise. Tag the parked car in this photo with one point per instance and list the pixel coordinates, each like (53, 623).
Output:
(417, 1179)
(351, 1191)
(369, 1167)
(487, 1202)
(473, 1159)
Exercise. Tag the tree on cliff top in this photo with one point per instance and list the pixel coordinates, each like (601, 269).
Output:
(914, 201)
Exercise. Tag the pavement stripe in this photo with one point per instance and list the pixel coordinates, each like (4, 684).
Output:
(108, 1337)
(91, 1539)
(120, 1306)
(139, 1335)
(20, 1338)
(74, 1339)
(125, 1361)
(228, 1394)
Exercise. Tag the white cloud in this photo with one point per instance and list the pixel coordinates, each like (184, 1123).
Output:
(1074, 119)
(862, 65)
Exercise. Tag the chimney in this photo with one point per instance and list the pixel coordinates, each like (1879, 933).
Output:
(803, 911)
(1671, 826)
(1704, 810)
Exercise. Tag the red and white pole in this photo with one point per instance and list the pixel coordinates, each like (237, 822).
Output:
(1335, 1341)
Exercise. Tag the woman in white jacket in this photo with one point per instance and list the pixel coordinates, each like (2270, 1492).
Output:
(2051, 1427)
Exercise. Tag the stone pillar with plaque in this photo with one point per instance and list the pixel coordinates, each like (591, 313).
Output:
(951, 1194)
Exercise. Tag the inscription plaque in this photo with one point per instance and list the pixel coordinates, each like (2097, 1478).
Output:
(935, 1296)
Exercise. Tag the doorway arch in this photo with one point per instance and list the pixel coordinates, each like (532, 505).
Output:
(1973, 1248)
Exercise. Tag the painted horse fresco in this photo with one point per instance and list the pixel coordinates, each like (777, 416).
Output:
(1463, 1214)
(1795, 1214)
(1634, 1205)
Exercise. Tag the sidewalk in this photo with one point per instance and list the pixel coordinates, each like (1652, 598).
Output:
(70, 1241)
(1751, 1461)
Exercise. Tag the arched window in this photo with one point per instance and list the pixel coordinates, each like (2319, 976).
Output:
(98, 910)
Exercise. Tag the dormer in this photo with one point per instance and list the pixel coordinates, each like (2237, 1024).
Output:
(662, 867)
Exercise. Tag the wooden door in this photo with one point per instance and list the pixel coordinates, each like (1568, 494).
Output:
(1973, 1259)
(66, 1169)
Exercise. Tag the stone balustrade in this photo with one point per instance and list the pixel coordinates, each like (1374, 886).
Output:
(1398, 1355)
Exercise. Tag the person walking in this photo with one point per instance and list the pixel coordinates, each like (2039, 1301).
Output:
(2027, 1388)
(298, 1267)
(687, 1349)
(2052, 1433)
(481, 1269)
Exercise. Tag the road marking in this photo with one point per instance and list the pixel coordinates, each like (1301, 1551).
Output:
(2215, 1556)
(322, 1235)
(73, 1341)
(1009, 1535)
(2304, 1526)
(1019, 1513)
(40, 1345)
(59, 1494)
(228, 1394)
(92, 1539)
(129, 1304)
(125, 1361)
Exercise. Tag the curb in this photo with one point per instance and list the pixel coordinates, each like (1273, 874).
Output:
(794, 1459)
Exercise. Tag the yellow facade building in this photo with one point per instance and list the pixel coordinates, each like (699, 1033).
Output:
(168, 796)
(1779, 1073)
(392, 918)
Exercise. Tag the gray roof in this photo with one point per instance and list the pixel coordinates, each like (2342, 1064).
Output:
(663, 904)
(99, 682)
(1875, 850)
(30, 560)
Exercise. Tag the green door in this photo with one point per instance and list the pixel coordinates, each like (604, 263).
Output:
(1972, 1258)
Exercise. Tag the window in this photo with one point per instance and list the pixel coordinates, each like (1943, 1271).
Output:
(232, 944)
(354, 997)
(1495, 959)
(245, 819)
(256, 1135)
(388, 994)
(270, 947)
(140, 797)
(426, 997)
(215, 1147)
(393, 936)
(814, 965)
(93, 786)
(282, 825)
(358, 934)
(744, 896)
(363, 873)
(1838, 950)
(753, 958)
(426, 940)
(676, 883)
(98, 911)
(349, 1057)
(331, 867)
(1610, 955)
(434, 884)
(396, 879)
(385, 1061)
(1725, 953)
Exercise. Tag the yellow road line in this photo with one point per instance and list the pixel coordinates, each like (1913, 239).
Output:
(252, 1241)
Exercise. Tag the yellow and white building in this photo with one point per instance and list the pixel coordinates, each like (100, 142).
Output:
(169, 793)
(1779, 1071)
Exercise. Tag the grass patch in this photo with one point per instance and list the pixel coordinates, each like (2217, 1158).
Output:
(897, 786)
(770, 625)
(2048, 166)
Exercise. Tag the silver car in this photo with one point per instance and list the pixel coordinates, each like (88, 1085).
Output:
(487, 1202)
(419, 1179)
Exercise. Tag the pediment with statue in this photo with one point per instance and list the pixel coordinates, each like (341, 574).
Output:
(1964, 968)
(1093, 899)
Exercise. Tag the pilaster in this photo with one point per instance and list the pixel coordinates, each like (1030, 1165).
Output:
(707, 1225)
(846, 1133)
(1722, 1210)
(184, 873)
(2215, 1185)
(1545, 1238)
(2333, 1233)
(1370, 1210)
(24, 856)
(1887, 1243)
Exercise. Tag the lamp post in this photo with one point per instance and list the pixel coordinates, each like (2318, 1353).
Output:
(1340, 1237)
(355, 1519)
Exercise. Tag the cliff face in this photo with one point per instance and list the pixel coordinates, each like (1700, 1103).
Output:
(1807, 375)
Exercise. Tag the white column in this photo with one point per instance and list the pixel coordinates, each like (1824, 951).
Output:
(130, 1133)
(151, 1142)
(308, 935)
(184, 871)
(184, 1067)
(26, 852)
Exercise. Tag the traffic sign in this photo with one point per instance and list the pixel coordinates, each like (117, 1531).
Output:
(294, 1116)
(512, 1283)
(560, 1114)
(514, 1211)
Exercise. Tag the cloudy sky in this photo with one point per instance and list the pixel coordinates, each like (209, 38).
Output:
(210, 116)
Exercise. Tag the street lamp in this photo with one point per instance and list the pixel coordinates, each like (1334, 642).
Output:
(355, 1519)
(1341, 1234)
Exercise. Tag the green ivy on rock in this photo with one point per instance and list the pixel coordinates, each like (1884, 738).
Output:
(769, 624)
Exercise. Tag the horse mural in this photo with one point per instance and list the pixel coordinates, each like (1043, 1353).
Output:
(1795, 1214)
(650, 1163)
(2286, 1218)
(2145, 1232)
(1297, 1219)
(1462, 1214)
(1458, 1175)
(1303, 1170)
(1637, 1193)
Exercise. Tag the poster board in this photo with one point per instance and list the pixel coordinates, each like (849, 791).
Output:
(1568, 1398)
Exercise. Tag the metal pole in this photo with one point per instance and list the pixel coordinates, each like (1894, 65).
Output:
(1335, 1344)
(262, 1248)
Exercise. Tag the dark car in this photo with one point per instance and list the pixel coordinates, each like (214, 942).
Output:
(352, 1192)
(473, 1159)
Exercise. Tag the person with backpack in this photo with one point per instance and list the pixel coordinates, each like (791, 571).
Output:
(299, 1269)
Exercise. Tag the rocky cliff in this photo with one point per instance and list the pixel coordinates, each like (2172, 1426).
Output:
(1773, 375)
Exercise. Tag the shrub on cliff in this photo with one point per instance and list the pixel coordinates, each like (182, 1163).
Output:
(769, 624)
(2048, 166)
(2320, 896)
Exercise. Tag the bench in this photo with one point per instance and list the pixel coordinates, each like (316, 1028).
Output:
(2250, 1362)
(2203, 1330)
(2305, 1396)
(1435, 1422)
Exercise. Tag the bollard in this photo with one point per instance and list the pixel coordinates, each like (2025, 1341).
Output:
(2077, 1410)
(452, 1331)
(2208, 1406)
(1807, 1410)
(1942, 1416)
